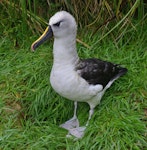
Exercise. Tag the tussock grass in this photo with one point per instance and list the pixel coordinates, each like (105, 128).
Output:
(31, 17)
(31, 111)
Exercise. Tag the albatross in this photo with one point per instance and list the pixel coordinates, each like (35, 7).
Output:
(79, 80)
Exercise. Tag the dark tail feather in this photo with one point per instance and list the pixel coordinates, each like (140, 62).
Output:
(121, 72)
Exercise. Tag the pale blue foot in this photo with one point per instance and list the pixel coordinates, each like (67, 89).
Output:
(77, 132)
(70, 124)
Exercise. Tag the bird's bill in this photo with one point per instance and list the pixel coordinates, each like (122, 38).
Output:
(48, 33)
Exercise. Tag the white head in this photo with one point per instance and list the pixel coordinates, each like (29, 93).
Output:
(61, 25)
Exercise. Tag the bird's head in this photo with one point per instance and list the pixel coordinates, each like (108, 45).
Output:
(61, 25)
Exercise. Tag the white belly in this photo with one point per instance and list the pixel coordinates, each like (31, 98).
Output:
(70, 85)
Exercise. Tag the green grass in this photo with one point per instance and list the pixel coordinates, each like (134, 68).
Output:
(31, 112)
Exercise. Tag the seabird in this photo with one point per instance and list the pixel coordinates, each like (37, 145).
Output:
(79, 80)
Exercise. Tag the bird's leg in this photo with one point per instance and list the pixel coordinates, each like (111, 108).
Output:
(91, 111)
(75, 110)
(78, 132)
(73, 122)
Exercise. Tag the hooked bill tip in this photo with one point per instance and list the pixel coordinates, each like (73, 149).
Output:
(32, 47)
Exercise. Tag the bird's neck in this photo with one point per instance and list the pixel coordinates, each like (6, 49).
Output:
(65, 51)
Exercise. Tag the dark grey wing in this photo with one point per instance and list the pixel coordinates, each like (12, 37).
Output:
(96, 71)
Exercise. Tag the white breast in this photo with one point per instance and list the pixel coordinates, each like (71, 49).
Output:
(66, 82)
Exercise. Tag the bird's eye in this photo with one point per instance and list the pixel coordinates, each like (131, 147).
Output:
(57, 24)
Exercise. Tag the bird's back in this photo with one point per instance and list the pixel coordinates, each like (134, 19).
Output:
(96, 71)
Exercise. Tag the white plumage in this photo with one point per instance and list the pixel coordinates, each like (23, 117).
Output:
(75, 79)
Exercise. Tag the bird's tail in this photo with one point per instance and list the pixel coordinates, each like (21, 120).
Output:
(121, 71)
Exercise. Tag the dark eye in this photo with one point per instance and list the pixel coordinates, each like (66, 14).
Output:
(57, 24)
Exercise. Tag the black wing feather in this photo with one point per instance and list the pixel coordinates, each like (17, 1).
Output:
(96, 71)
